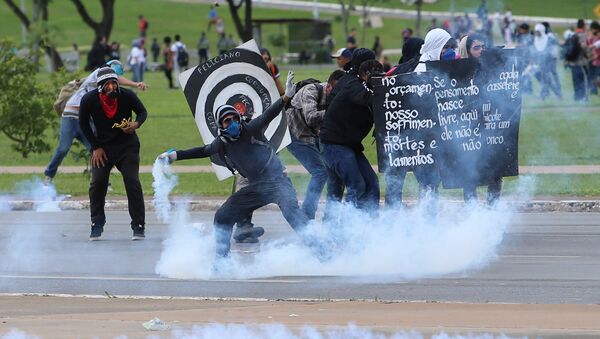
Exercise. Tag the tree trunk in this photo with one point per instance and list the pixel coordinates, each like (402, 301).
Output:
(40, 13)
(418, 24)
(244, 29)
(345, 17)
(102, 27)
(365, 15)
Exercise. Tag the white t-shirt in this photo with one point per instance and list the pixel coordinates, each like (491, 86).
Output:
(175, 48)
(89, 84)
(136, 56)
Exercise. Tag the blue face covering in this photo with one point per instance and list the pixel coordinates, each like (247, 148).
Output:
(449, 55)
(234, 129)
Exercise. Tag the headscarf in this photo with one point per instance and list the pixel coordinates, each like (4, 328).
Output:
(462, 48)
(540, 42)
(411, 49)
(432, 48)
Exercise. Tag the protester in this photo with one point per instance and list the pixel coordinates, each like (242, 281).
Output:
(114, 51)
(524, 41)
(177, 48)
(115, 144)
(576, 60)
(266, 55)
(410, 57)
(97, 55)
(155, 48)
(407, 33)
(436, 44)
(377, 47)
(594, 53)
(169, 62)
(213, 16)
(142, 25)
(222, 43)
(231, 44)
(351, 40)
(347, 121)
(542, 56)
(244, 147)
(305, 116)
(203, 46)
(69, 121)
(137, 60)
(342, 58)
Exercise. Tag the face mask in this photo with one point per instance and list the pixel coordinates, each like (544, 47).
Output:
(449, 55)
(234, 129)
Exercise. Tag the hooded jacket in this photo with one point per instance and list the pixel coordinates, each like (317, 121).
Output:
(251, 154)
(432, 48)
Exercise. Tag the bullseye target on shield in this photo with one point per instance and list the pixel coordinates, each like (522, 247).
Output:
(239, 78)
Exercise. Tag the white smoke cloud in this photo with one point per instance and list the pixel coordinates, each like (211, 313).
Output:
(279, 331)
(44, 197)
(406, 243)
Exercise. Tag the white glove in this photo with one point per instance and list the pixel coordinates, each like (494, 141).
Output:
(169, 156)
(290, 86)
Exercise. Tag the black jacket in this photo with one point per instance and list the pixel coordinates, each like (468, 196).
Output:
(251, 154)
(107, 134)
(348, 118)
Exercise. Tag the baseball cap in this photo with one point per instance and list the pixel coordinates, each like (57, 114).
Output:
(342, 52)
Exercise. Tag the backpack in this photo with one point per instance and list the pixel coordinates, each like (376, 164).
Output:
(66, 92)
(571, 49)
(183, 58)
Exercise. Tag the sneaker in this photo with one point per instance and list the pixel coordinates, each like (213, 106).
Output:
(248, 234)
(96, 232)
(138, 232)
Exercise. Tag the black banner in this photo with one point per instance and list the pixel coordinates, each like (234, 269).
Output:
(461, 117)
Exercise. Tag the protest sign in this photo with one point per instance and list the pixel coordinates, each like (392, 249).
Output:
(239, 78)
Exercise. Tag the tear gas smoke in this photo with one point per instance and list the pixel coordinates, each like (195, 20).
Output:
(278, 331)
(406, 243)
(43, 197)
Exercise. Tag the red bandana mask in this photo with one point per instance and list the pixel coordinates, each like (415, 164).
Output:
(109, 105)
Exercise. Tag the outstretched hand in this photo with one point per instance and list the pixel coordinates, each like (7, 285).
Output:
(290, 86)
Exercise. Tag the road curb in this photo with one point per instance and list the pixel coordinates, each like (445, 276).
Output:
(213, 204)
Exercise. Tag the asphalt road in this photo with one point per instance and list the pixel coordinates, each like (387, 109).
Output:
(544, 258)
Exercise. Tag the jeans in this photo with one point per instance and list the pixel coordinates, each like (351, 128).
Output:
(594, 78)
(351, 169)
(579, 75)
(427, 177)
(310, 157)
(239, 205)
(69, 130)
(138, 72)
(127, 160)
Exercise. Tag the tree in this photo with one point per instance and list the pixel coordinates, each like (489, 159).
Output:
(347, 8)
(24, 118)
(104, 26)
(419, 4)
(244, 28)
(38, 26)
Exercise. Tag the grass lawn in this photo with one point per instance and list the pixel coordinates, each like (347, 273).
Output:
(205, 184)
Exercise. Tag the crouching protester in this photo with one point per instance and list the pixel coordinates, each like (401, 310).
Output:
(245, 149)
(114, 143)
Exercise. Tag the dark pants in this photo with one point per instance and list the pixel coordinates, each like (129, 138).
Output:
(242, 203)
(169, 75)
(594, 78)
(579, 75)
(493, 193)
(127, 161)
(202, 55)
(310, 157)
(351, 169)
(428, 179)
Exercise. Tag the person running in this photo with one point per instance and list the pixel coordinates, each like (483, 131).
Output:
(69, 121)
(115, 144)
(244, 147)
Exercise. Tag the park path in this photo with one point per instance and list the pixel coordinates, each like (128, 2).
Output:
(298, 169)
